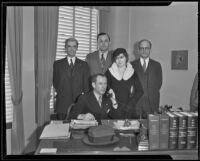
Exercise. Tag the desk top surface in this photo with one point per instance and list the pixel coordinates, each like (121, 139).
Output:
(127, 144)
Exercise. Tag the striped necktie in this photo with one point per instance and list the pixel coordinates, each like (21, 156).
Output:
(103, 61)
(100, 100)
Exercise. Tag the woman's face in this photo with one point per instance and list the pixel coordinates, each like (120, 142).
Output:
(120, 60)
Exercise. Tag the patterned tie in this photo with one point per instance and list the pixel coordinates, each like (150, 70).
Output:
(103, 61)
(100, 100)
(144, 65)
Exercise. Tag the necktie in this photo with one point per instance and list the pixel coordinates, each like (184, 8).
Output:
(71, 64)
(103, 61)
(100, 100)
(144, 65)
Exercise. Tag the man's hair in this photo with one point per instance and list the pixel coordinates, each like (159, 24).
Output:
(71, 39)
(144, 40)
(94, 77)
(103, 33)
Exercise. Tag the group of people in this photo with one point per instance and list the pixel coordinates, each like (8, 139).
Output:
(106, 85)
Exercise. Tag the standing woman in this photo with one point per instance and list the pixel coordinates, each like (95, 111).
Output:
(124, 84)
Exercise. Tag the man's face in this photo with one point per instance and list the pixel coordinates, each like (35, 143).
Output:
(71, 48)
(103, 43)
(144, 49)
(100, 85)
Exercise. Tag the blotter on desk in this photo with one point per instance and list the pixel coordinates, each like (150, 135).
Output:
(56, 131)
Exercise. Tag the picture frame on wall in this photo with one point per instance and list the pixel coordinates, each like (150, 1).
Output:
(179, 59)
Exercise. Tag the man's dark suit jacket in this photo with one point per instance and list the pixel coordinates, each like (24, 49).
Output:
(68, 86)
(154, 83)
(87, 103)
(95, 64)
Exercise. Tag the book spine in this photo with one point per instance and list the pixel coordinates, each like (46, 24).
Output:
(164, 131)
(192, 132)
(182, 132)
(153, 121)
(173, 132)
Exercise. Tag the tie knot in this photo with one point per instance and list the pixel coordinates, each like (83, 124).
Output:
(71, 61)
(102, 56)
(100, 98)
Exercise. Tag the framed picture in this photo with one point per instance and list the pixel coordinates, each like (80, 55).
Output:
(179, 59)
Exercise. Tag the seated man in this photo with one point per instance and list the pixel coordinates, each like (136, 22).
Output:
(96, 104)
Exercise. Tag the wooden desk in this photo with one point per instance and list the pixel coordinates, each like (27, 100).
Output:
(73, 146)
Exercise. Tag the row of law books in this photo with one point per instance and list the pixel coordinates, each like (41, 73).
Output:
(173, 130)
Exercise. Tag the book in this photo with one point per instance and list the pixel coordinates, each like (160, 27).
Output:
(153, 130)
(196, 118)
(173, 131)
(191, 130)
(164, 131)
(182, 130)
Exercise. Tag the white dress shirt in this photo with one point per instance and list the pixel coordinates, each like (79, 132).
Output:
(104, 54)
(69, 59)
(146, 60)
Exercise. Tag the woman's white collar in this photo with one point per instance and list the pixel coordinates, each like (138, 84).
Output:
(127, 74)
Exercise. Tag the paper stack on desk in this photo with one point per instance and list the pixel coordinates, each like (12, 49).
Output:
(56, 131)
(83, 124)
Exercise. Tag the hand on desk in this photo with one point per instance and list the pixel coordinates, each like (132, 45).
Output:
(87, 116)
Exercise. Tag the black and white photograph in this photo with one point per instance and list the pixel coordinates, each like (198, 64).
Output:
(99, 80)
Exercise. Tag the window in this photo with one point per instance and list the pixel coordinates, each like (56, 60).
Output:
(81, 23)
(9, 107)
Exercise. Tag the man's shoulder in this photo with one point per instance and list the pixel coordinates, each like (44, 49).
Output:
(154, 61)
(60, 61)
(85, 96)
(134, 61)
(93, 54)
(80, 61)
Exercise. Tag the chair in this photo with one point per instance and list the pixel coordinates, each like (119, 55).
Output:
(68, 111)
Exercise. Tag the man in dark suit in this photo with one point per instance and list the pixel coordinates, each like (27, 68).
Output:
(150, 75)
(70, 78)
(100, 60)
(96, 104)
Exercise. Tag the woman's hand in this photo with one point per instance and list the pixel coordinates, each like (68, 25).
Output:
(113, 99)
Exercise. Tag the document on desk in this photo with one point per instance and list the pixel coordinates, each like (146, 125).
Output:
(56, 131)
(48, 151)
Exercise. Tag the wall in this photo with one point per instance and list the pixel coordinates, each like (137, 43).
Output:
(169, 28)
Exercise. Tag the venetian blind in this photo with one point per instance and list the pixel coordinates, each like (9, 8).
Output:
(8, 103)
(81, 23)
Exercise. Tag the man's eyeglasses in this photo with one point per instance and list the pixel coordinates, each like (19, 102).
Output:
(147, 48)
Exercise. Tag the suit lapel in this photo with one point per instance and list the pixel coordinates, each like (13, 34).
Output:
(108, 59)
(94, 105)
(66, 68)
(76, 66)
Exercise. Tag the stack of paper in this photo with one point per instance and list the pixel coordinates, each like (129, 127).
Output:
(56, 131)
(83, 124)
(143, 145)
